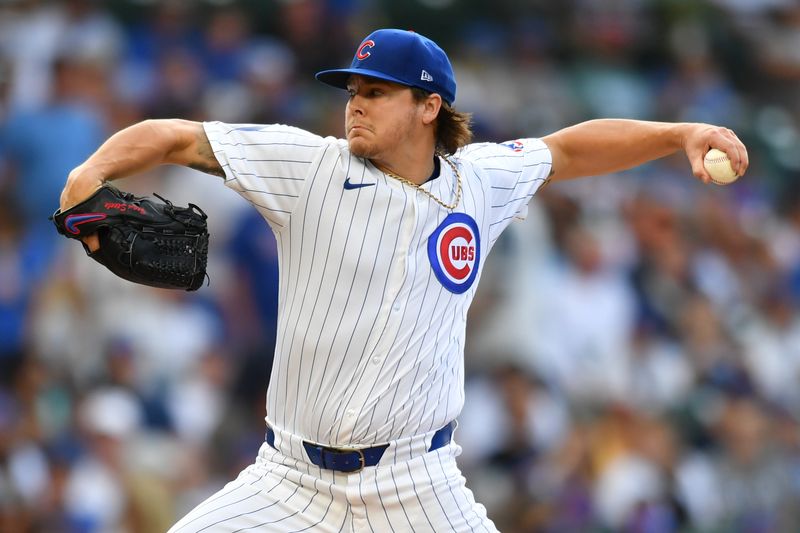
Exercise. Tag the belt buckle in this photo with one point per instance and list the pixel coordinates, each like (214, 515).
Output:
(362, 461)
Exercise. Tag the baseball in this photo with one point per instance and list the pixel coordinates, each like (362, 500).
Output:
(718, 166)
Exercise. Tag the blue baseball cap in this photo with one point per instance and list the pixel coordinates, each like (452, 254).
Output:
(400, 56)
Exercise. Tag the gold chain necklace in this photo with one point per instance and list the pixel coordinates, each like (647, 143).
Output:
(407, 181)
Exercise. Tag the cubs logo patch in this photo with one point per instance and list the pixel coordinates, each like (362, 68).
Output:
(515, 146)
(454, 250)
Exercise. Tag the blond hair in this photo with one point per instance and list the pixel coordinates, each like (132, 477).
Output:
(452, 127)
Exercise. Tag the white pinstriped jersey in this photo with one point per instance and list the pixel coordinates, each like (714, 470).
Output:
(371, 329)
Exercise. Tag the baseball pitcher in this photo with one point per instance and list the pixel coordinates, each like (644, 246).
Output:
(382, 237)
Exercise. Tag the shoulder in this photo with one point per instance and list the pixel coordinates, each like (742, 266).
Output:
(266, 134)
(483, 151)
(519, 155)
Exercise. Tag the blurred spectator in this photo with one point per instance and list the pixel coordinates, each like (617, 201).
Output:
(42, 145)
(747, 488)
(661, 277)
(308, 27)
(34, 34)
(178, 87)
(254, 307)
(698, 90)
(225, 43)
(609, 36)
(770, 340)
(511, 421)
(589, 322)
(269, 78)
(23, 265)
(784, 242)
(166, 28)
(101, 491)
(636, 456)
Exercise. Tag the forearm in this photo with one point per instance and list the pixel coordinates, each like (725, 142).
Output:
(610, 145)
(135, 149)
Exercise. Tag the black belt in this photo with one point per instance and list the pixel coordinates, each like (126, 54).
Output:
(355, 459)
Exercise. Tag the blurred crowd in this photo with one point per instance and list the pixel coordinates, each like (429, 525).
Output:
(633, 354)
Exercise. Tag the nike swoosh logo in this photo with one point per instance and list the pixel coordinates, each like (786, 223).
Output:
(73, 221)
(350, 185)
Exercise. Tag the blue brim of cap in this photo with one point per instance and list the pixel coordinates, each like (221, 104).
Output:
(338, 77)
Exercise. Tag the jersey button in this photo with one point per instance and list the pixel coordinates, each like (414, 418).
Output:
(377, 360)
(397, 306)
(351, 413)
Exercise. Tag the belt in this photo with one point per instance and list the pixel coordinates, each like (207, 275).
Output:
(355, 459)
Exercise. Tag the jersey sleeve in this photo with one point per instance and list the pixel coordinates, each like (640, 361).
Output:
(267, 164)
(515, 171)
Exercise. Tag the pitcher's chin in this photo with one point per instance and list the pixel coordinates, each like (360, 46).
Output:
(359, 146)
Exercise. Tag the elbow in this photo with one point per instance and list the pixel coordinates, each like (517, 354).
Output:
(560, 158)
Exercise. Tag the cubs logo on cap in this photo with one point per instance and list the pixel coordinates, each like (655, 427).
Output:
(363, 50)
(454, 250)
(399, 56)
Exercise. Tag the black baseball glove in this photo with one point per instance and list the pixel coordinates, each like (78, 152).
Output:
(141, 240)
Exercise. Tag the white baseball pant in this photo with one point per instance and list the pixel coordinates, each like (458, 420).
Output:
(423, 493)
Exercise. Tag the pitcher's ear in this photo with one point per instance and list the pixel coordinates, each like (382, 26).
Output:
(432, 105)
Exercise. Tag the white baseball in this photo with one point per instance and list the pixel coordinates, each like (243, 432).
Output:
(718, 166)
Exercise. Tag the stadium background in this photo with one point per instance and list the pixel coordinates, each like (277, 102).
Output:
(634, 349)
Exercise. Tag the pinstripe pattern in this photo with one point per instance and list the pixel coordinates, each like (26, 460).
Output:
(274, 494)
(357, 292)
(357, 362)
(278, 493)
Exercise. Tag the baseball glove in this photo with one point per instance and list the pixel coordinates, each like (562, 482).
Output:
(141, 240)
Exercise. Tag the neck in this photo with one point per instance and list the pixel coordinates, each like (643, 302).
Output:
(416, 169)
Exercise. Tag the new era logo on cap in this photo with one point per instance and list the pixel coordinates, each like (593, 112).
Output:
(399, 56)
